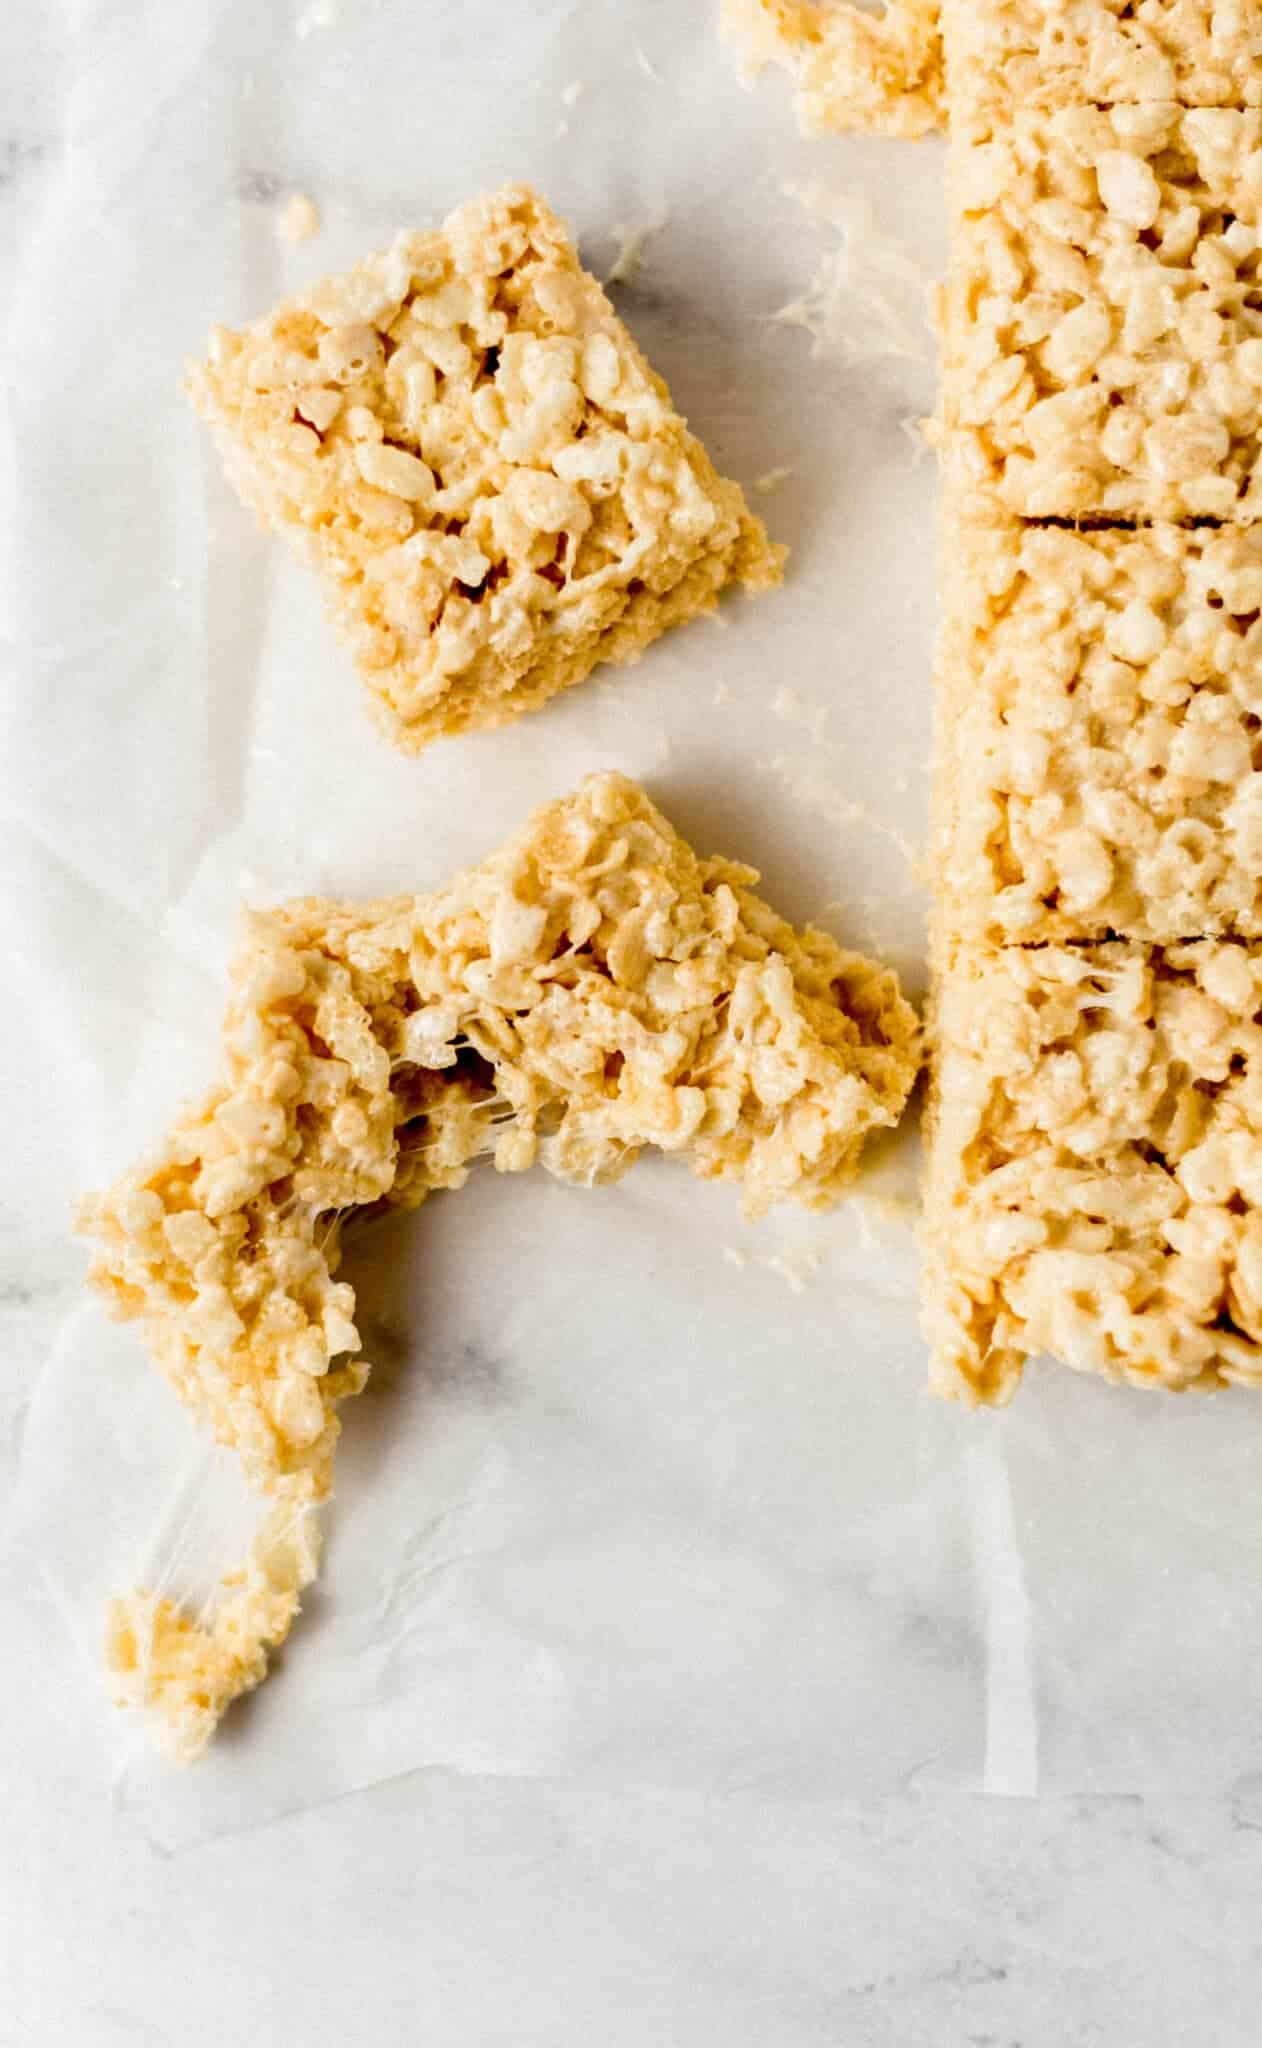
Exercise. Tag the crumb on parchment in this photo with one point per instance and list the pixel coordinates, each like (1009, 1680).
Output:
(592, 989)
(314, 16)
(795, 708)
(298, 219)
(632, 238)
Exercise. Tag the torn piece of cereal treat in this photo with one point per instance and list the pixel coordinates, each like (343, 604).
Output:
(1103, 315)
(493, 486)
(1005, 54)
(1100, 724)
(183, 1673)
(1095, 1166)
(856, 69)
(591, 989)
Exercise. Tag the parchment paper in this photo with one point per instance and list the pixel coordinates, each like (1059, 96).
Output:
(636, 1491)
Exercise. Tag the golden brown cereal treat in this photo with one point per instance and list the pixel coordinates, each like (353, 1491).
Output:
(490, 481)
(185, 1674)
(1095, 1179)
(856, 69)
(1005, 54)
(1103, 315)
(1100, 766)
(592, 989)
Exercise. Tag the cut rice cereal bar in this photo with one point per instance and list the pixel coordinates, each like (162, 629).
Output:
(592, 989)
(1095, 1176)
(1100, 722)
(491, 483)
(856, 69)
(1103, 315)
(1005, 54)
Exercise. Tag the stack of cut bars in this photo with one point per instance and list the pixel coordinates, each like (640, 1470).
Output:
(1095, 1178)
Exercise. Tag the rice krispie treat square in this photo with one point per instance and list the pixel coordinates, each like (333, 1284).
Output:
(1005, 54)
(856, 69)
(491, 483)
(1100, 722)
(1095, 1166)
(1103, 315)
(591, 989)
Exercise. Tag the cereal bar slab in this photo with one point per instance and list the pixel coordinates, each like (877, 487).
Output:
(1103, 316)
(1100, 716)
(1095, 1173)
(592, 989)
(1005, 54)
(857, 70)
(493, 486)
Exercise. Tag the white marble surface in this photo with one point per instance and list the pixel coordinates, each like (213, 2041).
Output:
(784, 1619)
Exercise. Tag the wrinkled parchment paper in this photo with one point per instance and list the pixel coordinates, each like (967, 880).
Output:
(636, 1491)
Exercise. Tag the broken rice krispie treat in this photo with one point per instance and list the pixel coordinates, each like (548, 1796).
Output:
(1095, 1185)
(187, 1671)
(1005, 54)
(857, 69)
(490, 481)
(592, 989)
(1100, 766)
(1103, 315)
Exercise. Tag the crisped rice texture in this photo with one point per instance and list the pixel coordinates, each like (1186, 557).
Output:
(1103, 314)
(494, 488)
(1005, 54)
(592, 989)
(1095, 1181)
(1100, 715)
(185, 1673)
(855, 69)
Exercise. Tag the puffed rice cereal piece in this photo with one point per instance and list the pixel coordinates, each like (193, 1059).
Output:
(856, 70)
(591, 989)
(1100, 723)
(1095, 1167)
(1004, 54)
(492, 485)
(1103, 315)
